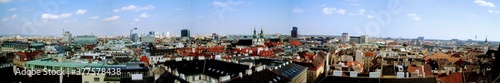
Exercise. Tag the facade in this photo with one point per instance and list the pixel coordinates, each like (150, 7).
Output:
(258, 39)
(295, 33)
(316, 67)
(14, 46)
(148, 39)
(58, 63)
(153, 33)
(67, 37)
(85, 39)
(421, 38)
(157, 55)
(365, 39)
(344, 38)
(133, 35)
(185, 33)
(355, 39)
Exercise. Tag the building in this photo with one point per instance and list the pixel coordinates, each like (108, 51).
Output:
(153, 33)
(421, 38)
(148, 39)
(157, 55)
(215, 36)
(201, 70)
(418, 42)
(185, 33)
(61, 63)
(295, 33)
(85, 39)
(344, 38)
(133, 35)
(316, 66)
(258, 39)
(67, 37)
(15, 46)
(355, 39)
(365, 39)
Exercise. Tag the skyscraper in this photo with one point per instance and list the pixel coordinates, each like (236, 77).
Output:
(185, 33)
(152, 33)
(67, 37)
(421, 38)
(365, 38)
(345, 38)
(294, 32)
(133, 35)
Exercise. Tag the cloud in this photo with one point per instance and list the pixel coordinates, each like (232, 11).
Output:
(12, 9)
(80, 11)
(413, 16)
(134, 8)
(10, 18)
(484, 3)
(297, 10)
(369, 16)
(137, 19)
(227, 4)
(47, 16)
(13, 16)
(113, 18)
(332, 10)
(5, 1)
(144, 15)
(490, 11)
(360, 12)
(95, 17)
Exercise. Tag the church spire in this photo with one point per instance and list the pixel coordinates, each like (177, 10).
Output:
(486, 40)
(261, 32)
(254, 32)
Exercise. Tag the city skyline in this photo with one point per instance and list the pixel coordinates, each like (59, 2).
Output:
(446, 19)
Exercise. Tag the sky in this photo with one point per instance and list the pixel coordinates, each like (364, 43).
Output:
(432, 19)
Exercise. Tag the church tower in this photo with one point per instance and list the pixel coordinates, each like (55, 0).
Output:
(258, 39)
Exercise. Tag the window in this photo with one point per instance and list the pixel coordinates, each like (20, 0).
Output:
(86, 82)
(96, 79)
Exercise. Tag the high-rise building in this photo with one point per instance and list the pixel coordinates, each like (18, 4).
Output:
(152, 33)
(421, 38)
(344, 38)
(67, 37)
(133, 35)
(365, 38)
(418, 42)
(168, 34)
(295, 33)
(355, 39)
(185, 33)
